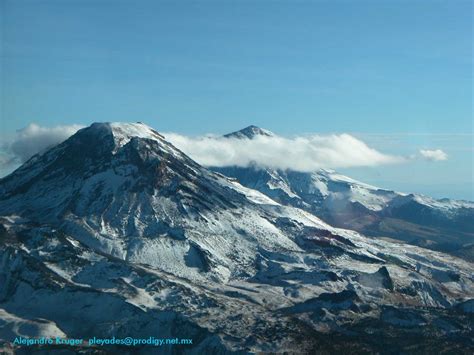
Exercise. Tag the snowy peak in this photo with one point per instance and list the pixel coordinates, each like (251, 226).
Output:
(123, 132)
(99, 142)
(250, 132)
(131, 156)
(120, 133)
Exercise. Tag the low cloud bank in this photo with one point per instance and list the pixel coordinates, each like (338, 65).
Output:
(299, 153)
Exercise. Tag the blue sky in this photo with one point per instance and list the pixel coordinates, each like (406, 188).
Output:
(396, 74)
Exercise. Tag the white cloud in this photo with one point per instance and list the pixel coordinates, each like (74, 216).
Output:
(299, 153)
(33, 139)
(433, 155)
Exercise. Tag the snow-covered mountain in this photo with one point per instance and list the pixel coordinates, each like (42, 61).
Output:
(445, 225)
(115, 232)
(249, 133)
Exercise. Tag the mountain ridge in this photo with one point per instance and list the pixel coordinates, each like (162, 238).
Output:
(250, 132)
(348, 203)
(132, 237)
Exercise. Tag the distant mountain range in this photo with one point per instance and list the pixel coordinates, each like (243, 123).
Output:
(444, 225)
(115, 232)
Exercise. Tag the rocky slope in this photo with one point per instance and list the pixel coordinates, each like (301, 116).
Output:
(115, 232)
(445, 225)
